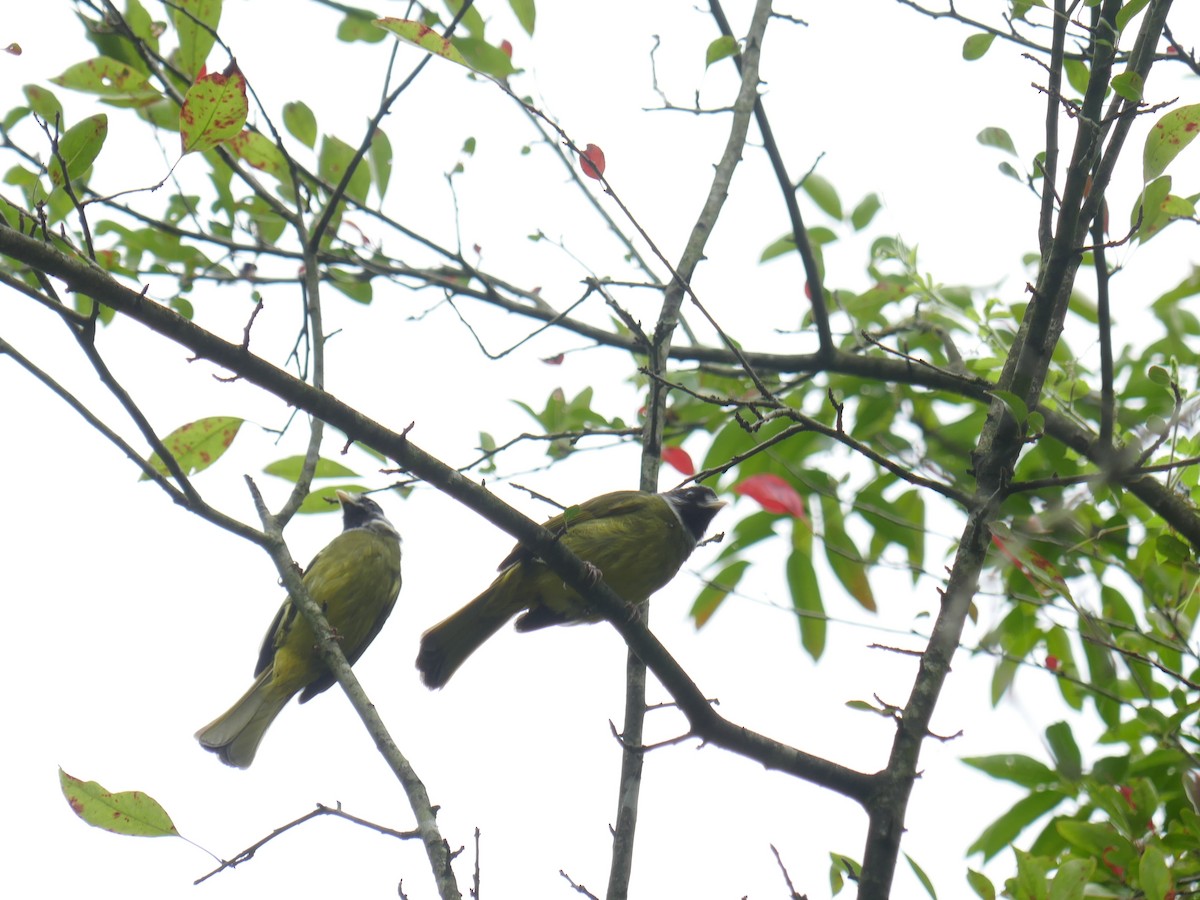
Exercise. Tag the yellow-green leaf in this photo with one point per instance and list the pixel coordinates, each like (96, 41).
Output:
(111, 79)
(129, 812)
(785, 244)
(197, 445)
(214, 111)
(78, 148)
(196, 23)
(335, 158)
(724, 46)
(291, 466)
(525, 12)
(1129, 85)
(260, 152)
(44, 104)
(298, 118)
(976, 45)
(823, 194)
(1167, 138)
(423, 36)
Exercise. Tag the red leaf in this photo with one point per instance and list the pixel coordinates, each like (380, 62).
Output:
(556, 360)
(772, 493)
(677, 458)
(591, 160)
(507, 48)
(1003, 548)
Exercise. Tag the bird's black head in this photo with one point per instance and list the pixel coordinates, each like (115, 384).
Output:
(695, 505)
(360, 511)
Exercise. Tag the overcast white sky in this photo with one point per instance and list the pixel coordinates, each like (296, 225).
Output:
(132, 624)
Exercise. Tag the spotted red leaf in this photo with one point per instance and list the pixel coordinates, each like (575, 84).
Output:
(677, 458)
(772, 493)
(591, 160)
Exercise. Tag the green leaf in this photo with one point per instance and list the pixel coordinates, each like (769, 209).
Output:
(862, 215)
(214, 111)
(1167, 138)
(359, 25)
(130, 812)
(921, 877)
(471, 21)
(1078, 75)
(1031, 876)
(78, 149)
(1127, 11)
(290, 467)
(1001, 833)
(823, 194)
(1088, 837)
(195, 23)
(299, 120)
(485, 58)
(1129, 85)
(806, 590)
(785, 244)
(1023, 770)
(380, 157)
(976, 46)
(1153, 874)
(723, 47)
(356, 287)
(1072, 878)
(844, 556)
(980, 884)
(1158, 375)
(335, 157)
(1065, 751)
(526, 14)
(716, 590)
(998, 138)
(1014, 404)
(1171, 549)
(197, 445)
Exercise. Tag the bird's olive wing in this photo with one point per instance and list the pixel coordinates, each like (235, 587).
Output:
(617, 503)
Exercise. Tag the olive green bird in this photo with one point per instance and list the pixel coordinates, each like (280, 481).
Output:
(636, 541)
(355, 580)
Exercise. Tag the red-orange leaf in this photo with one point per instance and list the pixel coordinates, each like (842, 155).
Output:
(679, 459)
(772, 493)
(591, 160)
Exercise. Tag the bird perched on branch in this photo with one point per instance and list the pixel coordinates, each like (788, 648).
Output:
(636, 541)
(355, 580)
